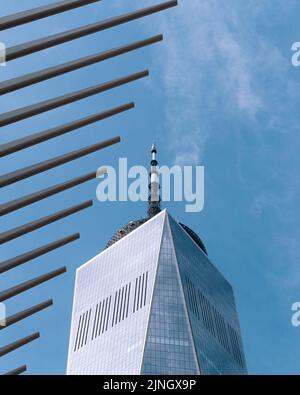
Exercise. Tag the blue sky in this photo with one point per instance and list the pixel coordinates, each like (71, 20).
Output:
(222, 93)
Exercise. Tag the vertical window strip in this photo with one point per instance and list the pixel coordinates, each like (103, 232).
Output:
(192, 297)
(105, 313)
(201, 308)
(121, 305)
(101, 318)
(125, 302)
(95, 319)
(207, 314)
(117, 309)
(88, 327)
(78, 329)
(228, 327)
(217, 323)
(114, 310)
(107, 320)
(205, 311)
(187, 291)
(211, 318)
(128, 300)
(238, 348)
(232, 342)
(189, 295)
(98, 319)
(195, 301)
(226, 336)
(142, 290)
(223, 326)
(223, 335)
(235, 345)
(83, 329)
(138, 294)
(221, 330)
(135, 289)
(146, 286)
(218, 327)
(198, 304)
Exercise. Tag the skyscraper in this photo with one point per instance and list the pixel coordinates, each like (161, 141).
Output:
(153, 303)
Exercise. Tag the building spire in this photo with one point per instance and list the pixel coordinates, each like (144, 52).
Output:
(154, 196)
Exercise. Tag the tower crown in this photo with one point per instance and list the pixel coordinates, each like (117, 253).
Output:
(153, 208)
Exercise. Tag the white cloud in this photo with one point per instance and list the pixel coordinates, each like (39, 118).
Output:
(220, 58)
(214, 59)
(205, 61)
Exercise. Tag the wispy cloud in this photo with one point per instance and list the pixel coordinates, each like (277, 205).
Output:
(222, 64)
(215, 61)
(206, 64)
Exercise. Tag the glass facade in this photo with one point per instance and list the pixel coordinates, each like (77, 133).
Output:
(169, 347)
(112, 302)
(211, 306)
(153, 303)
